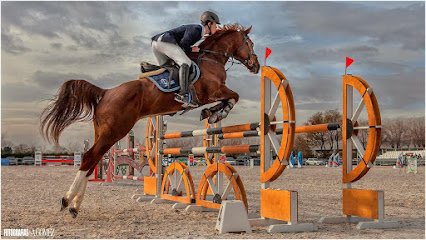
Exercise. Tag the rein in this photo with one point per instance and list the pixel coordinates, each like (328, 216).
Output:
(230, 57)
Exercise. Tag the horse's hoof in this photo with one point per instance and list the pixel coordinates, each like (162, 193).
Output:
(213, 119)
(73, 212)
(205, 113)
(64, 203)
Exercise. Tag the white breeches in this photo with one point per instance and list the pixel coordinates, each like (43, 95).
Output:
(164, 50)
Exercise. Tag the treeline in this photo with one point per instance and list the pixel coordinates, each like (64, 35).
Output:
(23, 150)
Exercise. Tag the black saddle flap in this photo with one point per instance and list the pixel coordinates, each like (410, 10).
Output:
(148, 67)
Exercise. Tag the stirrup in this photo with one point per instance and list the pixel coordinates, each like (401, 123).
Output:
(186, 100)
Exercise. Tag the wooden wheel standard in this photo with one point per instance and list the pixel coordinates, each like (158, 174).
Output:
(227, 187)
(274, 162)
(351, 127)
(150, 144)
(177, 184)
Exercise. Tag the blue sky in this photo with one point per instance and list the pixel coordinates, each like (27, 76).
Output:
(46, 43)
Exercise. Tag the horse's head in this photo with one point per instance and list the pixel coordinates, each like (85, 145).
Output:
(232, 41)
(245, 52)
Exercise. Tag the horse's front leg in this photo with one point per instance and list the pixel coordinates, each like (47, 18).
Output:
(207, 112)
(229, 99)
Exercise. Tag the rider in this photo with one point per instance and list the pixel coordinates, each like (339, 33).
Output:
(177, 43)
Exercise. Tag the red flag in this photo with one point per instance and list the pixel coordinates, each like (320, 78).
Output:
(349, 61)
(268, 52)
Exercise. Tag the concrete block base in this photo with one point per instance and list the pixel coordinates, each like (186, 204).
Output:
(232, 217)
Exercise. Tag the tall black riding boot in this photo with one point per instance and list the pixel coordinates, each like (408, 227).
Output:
(183, 96)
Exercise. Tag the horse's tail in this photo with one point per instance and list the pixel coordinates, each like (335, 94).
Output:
(76, 101)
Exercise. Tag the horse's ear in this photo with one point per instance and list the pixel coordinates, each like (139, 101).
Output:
(247, 31)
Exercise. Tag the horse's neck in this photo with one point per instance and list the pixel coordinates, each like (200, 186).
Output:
(223, 49)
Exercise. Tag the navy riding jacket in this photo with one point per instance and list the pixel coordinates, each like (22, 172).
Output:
(184, 36)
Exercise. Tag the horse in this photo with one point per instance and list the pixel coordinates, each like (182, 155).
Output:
(115, 111)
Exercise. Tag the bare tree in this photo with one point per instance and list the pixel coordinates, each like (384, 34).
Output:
(302, 144)
(362, 133)
(332, 116)
(394, 130)
(22, 148)
(417, 131)
(385, 138)
(320, 137)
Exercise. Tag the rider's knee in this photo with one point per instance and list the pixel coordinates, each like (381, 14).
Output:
(187, 61)
(185, 66)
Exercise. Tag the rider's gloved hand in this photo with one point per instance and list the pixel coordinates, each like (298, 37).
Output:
(195, 49)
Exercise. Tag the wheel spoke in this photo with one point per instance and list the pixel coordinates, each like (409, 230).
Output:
(180, 183)
(275, 104)
(366, 127)
(212, 185)
(277, 122)
(171, 180)
(358, 145)
(277, 100)
(274, 141)
(227, 190)
(361, 127)
(358, 110)
(175, 174)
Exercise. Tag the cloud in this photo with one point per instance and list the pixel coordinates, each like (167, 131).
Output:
(12, 44)
(353, 20)
(51, 81)
(21, 92)
(56, 46)
(404, 90)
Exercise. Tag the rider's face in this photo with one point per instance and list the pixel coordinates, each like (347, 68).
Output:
(213, 27)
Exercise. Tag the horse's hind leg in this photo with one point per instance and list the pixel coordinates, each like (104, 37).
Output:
(78, 199)
(80, 183)
(90, 160)
(105, 140)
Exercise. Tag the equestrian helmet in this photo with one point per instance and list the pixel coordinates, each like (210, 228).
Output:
(209, 16)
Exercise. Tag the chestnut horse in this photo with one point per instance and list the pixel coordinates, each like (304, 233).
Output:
(115, 111)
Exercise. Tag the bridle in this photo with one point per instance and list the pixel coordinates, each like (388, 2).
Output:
(251, 51)
(231, 57)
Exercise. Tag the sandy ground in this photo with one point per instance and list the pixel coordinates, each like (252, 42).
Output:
(30, 199)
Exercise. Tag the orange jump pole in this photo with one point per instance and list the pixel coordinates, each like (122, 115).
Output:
(212, 131)
(317, 128)
(300, 129)
(201, 150)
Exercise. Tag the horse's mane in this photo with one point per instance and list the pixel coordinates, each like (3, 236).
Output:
(225, 29)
